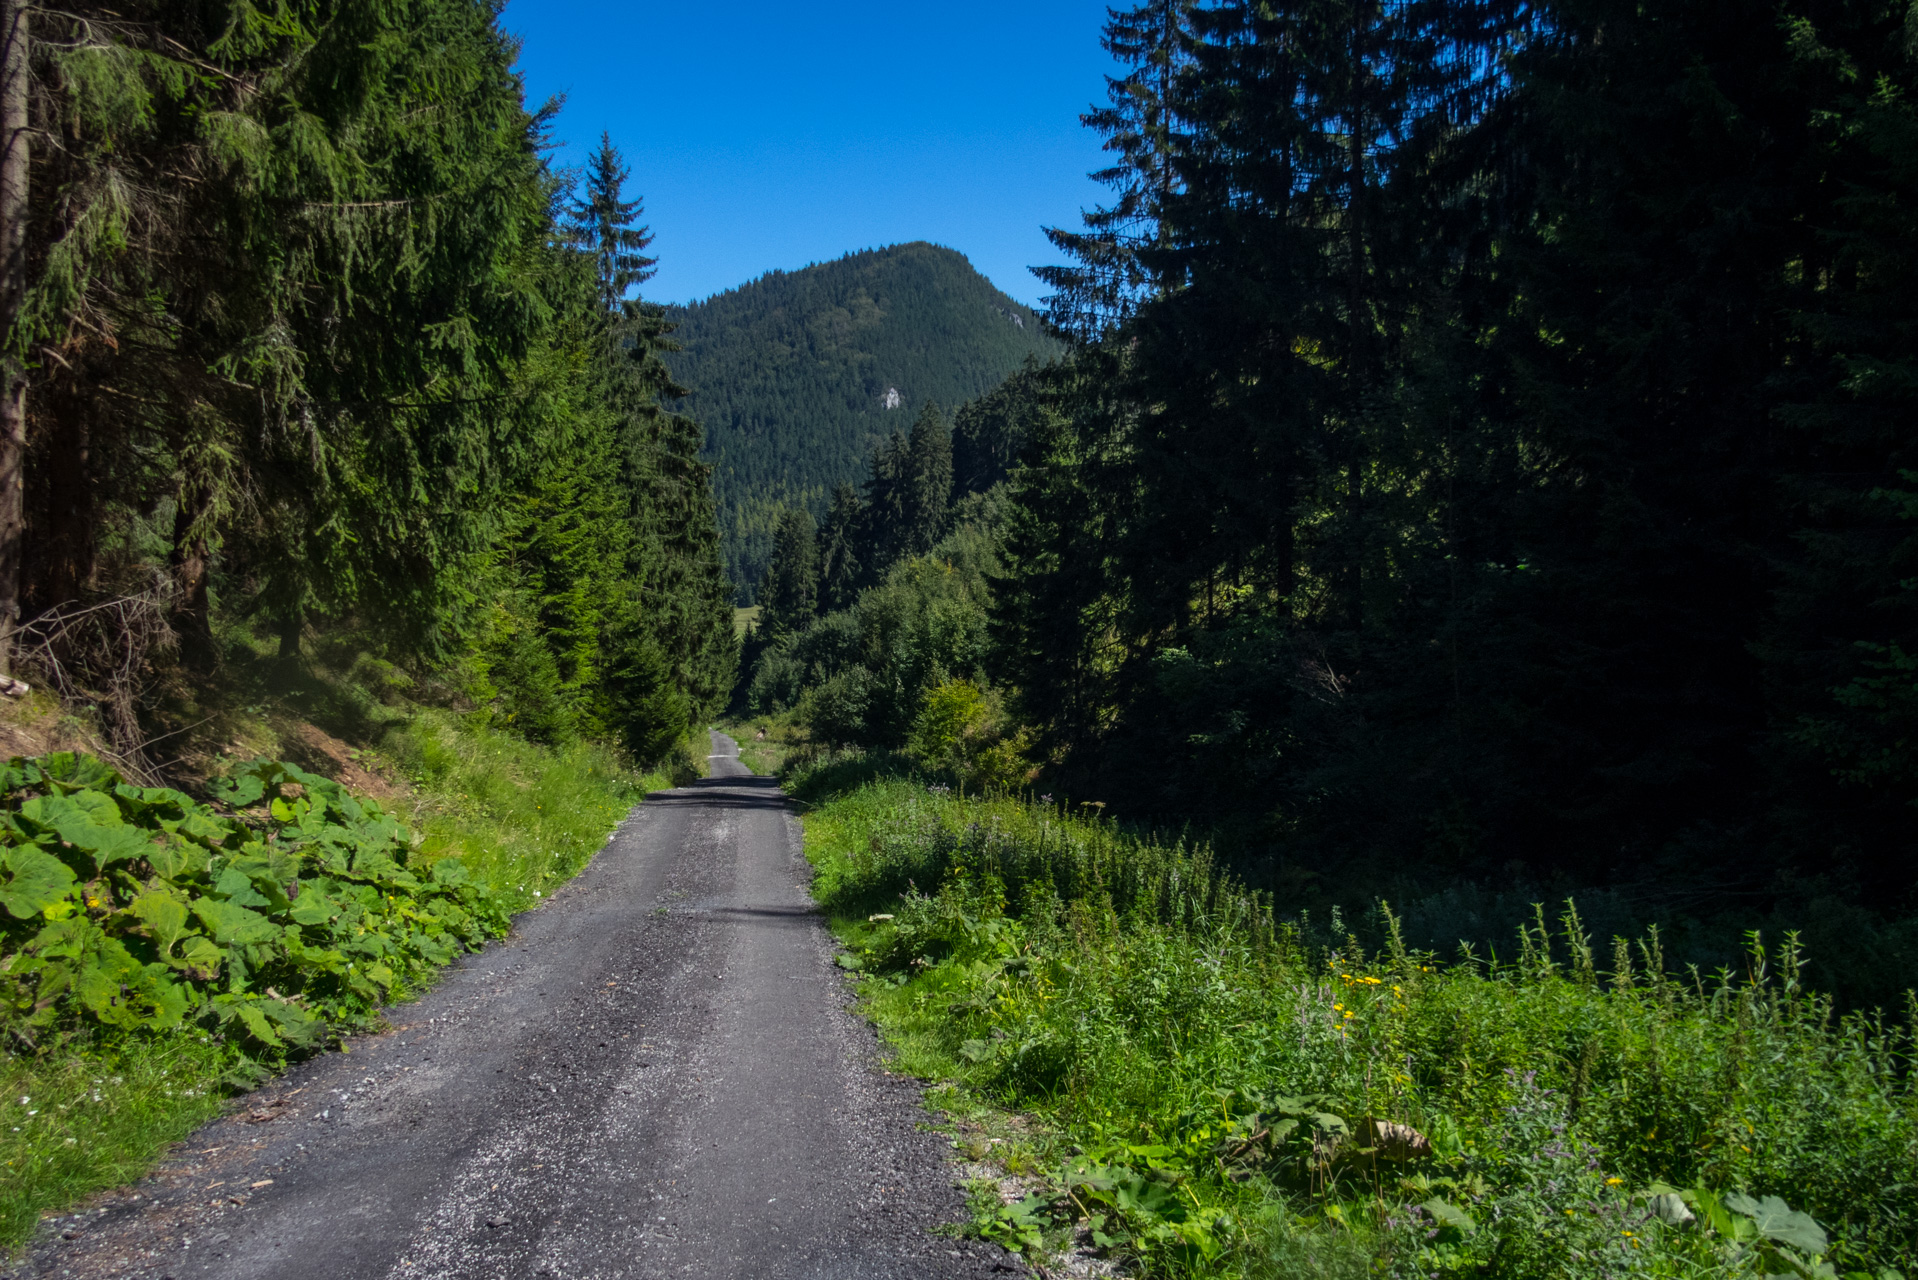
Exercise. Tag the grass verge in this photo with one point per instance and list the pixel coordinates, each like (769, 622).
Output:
(102, 1107)
(1150, 1068)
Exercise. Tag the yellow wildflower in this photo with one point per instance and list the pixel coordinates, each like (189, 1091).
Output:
(1613, 1182)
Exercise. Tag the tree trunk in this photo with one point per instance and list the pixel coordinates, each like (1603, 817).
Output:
(66, 518)
(190, 566)
(13, 283)
(292, 623)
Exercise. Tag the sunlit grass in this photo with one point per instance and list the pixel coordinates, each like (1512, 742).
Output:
(522, 817)
(76, 1122)
(764, 756)
(1118, 993)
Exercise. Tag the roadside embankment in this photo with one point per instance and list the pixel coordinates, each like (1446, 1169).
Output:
(161, 951)
(1148, 1067)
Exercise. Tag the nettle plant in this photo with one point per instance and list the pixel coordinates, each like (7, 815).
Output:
(278, 914)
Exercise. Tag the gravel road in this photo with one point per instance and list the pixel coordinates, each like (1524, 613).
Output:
(656, 1075)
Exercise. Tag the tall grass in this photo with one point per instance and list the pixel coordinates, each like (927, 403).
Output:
(1166, 1033)
(523, 817)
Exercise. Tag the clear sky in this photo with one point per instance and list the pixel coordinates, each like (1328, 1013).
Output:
(767, 135)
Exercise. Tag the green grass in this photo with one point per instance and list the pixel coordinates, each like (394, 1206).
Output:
(73, 1124)
(1169, 1067)
(524, 817)
(765, 756)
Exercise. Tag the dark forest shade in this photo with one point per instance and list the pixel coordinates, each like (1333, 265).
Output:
(798, 375)
(1493, 444)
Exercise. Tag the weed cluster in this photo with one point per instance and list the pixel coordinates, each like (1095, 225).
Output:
(1221, 1098)
(286, 911)
(492, 823)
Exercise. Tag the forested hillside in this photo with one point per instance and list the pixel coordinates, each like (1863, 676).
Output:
(799, 374)
(308, 342)
(1485, 463)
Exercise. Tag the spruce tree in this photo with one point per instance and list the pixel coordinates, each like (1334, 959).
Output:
(788, 596)
(1109, 276)
(605, 223)
(927, 483)
(321, 358)
(839, 569)
(681, 623)
(884, 509)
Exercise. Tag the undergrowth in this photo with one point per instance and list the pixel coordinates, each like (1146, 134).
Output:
(1204, 1091)
(267, 924)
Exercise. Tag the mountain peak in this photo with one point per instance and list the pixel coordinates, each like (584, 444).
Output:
(795, 374)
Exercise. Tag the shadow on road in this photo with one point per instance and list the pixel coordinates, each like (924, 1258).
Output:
(785, 915)
(747, 792)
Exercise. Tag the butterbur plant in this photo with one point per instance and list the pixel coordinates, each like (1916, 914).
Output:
(278, 914)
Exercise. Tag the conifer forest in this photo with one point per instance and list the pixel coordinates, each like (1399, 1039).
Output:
(1482, 458)
(1374, 733)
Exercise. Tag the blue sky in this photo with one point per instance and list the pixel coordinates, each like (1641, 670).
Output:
(773, 135)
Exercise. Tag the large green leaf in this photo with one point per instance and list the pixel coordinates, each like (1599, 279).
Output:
(202, 828)
(237, 887)
(242, 791)
(201, 960)
(255, 1022)
(18, 774)
(68, 771)
(89, 821)
(139, 803)
(1779, 1222)
(267, 874)
(165, 917)
(31, 881)
(122, 992)
(233, 924)
(311, 910)
(178, 859)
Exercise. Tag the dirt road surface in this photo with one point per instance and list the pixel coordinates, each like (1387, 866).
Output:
(656, 1075)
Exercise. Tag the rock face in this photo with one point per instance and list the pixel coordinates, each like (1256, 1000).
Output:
(892, 399)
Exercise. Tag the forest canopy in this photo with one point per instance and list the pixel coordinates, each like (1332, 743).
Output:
(307, 333)
(1492, 440)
